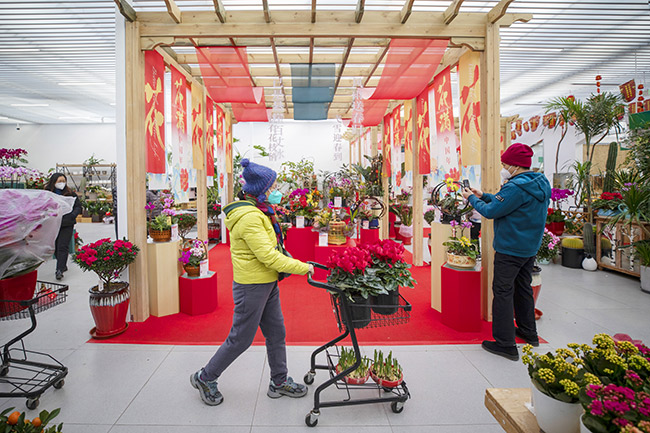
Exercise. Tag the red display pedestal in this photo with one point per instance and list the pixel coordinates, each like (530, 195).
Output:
(321, 254)
(461, 299)
(391, 228)
(300, 243)
(198, 295)
(369, 236)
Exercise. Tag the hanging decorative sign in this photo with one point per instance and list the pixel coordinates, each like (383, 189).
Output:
(386, 147)
(408, 135)
(422, 132)
(219, 128)
(154, 73)
(513, 135)
(181, 150)
(526, 126)
(397, 128)
(338, 139)
(646, 105)
(228, 143)
(628, 90)
(197, 128)
(534, 123)
(470, 107)
(209, 138)
(518, 126)
(446, 139)
(276, 151)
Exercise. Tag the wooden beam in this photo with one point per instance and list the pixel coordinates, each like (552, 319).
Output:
(267, 15)
(277, 67)
(126, 10)
(474, 44)
(219, 10)
(452, 11)
(173, 10)
(405, 13)
(509, 19)
(376, 65)
(313, 11)
(358, 14)
(253, 59)
(343, 62)
(450, 58)
(311, 50)
(498, 11)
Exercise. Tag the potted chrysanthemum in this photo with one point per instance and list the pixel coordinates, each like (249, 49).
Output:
(109, 300)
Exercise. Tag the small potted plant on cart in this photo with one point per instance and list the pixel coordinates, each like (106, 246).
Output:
(386, 371)
(347, 359)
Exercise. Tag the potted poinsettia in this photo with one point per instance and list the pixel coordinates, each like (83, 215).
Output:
(461, 250)
(386, 371)
(348, 359)
(109, 300)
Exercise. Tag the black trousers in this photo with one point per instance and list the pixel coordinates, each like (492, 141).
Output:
(512, 293)
(62, 247)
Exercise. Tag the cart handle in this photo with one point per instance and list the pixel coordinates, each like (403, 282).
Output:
(321, 284)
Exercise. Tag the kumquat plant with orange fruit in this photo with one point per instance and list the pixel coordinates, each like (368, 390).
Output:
(16, 422)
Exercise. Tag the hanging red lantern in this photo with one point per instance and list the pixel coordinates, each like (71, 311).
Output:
(534, 123)
(571, 98)
(598, 78)
(513, 135)
(526, 127)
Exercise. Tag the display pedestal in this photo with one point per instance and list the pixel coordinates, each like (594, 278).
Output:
(163, 277)
(508, 406)
(300, 243)
(198, 295)
(321, 254)
(461, 298)
(369, 236)
(391, 228)
(439, 234)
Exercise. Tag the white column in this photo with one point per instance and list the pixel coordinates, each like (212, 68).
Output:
(120, 124)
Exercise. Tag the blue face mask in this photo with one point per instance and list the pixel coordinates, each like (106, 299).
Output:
(275, 197)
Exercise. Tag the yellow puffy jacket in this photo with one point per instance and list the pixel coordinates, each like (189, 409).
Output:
(253, 246)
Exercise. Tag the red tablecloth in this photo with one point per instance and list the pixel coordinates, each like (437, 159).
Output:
(321, 254)
(369, 236)
(301, 242)
(461, 299)
(198, 295)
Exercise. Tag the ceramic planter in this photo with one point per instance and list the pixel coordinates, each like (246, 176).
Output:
(386, 383)
(645, 278)
(19, 288)
(572, 257)
(555, 416)
(460, 262)
(160, 235)
(583, 428)
(109, 311)
(353, 380)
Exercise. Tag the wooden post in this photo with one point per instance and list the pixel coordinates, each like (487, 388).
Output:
(490, 146)
(418, 211)
(202, 180)
(231, 186)
(135, 162)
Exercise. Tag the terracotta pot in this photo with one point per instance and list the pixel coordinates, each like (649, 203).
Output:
(353, 380)
(461, 262)
(386, 383)
(19, 288)
(109, 310)
(160, 235)
(192, 271)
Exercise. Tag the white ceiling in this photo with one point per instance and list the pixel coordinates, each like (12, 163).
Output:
(46, 44)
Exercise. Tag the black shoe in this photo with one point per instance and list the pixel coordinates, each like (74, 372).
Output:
(64, 269)
(507, 352)
(59, 275)
(533, 341)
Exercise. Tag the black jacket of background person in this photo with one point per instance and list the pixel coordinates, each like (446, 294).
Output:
(70, 219)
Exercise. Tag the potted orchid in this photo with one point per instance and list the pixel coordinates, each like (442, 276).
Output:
(555, 218)
(303, 203)
(194, 252)
(461, 250)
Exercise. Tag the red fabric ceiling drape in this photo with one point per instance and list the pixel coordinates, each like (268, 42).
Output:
(373, 111)
(245, 112)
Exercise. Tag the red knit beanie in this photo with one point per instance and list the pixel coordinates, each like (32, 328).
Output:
(518, 154)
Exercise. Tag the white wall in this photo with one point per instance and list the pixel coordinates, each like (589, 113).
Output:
(300, 139)
(48, 145)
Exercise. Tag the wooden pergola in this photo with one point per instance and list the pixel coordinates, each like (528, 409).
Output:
(356, 41)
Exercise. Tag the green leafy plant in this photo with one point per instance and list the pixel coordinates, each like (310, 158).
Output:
(461, 245)
(371, 175)
(403, 211)
(348, 358)
(185, 223)
(161, 222)
(91, 161)
(12, 421)
(389, 266)
(638, 141)
(106, 258)
(642, 251)
(635, 204)
(297, 175)
(430, 216)
(386, 367)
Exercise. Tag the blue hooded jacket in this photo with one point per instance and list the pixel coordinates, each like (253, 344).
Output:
(519, 211)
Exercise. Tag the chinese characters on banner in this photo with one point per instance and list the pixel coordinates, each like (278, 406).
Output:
(386, 147)
(446, 140)
(209, 140)
(338, 139)
(470, 108)
(197, 128)
(154, 107)
(408, 135)
(182, 152)
(228, 144)
(422, 132)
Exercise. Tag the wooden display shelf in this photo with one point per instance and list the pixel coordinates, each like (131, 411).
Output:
(507, 406)
(620, 243)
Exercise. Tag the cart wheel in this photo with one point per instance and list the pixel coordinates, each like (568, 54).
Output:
(59, 384)
(309, 377)
(4, 370)
(311, 419)
(32, 403)
(397, 406)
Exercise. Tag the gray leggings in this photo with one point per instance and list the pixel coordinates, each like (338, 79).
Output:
(255, 305)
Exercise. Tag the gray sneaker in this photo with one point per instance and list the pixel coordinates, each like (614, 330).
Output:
(207, 389)
(289, 387)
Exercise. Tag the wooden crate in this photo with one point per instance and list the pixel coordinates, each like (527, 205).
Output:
(507, 406)
(81, 219)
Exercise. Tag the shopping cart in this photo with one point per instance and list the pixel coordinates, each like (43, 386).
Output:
(350, 317)
(26, 373)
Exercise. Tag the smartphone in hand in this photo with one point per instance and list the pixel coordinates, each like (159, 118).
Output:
(465, 183)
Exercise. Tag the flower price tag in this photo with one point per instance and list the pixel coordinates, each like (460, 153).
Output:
(322, 239)
(338, 202)
(365, 225)
(174, 232)
(300, 222)
(203, 268)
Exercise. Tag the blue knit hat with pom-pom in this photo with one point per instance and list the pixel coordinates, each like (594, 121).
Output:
(258, 179)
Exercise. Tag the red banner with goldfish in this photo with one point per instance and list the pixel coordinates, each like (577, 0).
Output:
(198, 150)
(470, 107)
(423, 133)
(209, 137)
(386, 149)
(154, 82)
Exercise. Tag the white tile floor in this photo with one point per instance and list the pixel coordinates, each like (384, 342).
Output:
(145, 389)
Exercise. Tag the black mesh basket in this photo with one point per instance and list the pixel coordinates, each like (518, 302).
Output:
(362, 315)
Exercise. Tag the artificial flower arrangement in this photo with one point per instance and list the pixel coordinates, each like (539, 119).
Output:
(608, 201)
(106, 258)
(17, 422)
(554, 213)
(349, 274)
(550, 247)
(388, 264)
(347, 359)
(459, 244)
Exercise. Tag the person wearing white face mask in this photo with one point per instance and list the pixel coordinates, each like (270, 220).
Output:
(58, 185)
(519, 211)
(255, 249)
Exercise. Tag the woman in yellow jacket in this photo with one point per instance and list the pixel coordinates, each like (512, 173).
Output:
(255, 236)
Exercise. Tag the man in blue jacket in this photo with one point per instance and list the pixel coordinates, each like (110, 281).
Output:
(519, 213)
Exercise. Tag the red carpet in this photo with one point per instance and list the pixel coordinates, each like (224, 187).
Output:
(307, 313)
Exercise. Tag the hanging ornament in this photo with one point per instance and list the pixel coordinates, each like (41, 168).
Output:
(628, 90)
(526, 126)
(639, 103)
(534, 123)
(598, 79)
(276, 151)
(571, 98)
(513, 135)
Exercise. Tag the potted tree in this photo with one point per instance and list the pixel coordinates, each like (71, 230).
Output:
(461, 250)
(347, 359)
(109, 301)
(642, 251)
(185, 222)
(386, 371)
(194, 252)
